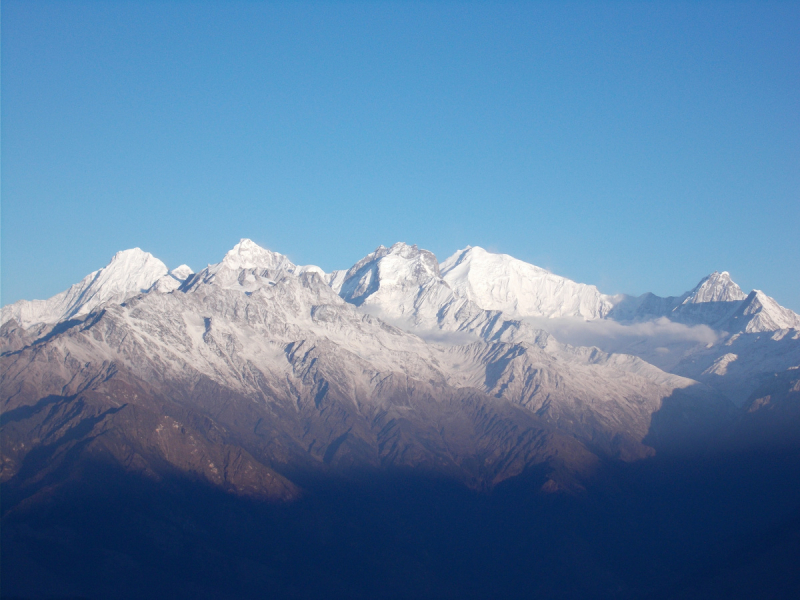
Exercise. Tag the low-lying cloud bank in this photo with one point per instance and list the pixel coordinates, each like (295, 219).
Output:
(658, 335)
(603, 333)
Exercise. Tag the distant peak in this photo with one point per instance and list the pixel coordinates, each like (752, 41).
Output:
(402, 265)
(246, 245)
(132, 261)
(716, 287)
(132, 254)
(406, 250)
(495, 281)
(476, 255)
(397, 246)
(249, 255)
(398, 249)
(181, 272)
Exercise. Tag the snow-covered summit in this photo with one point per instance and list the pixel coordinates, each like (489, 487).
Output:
(403, 286)
(406, 284)
(717, 287)
(249, 255)
(129, 272)
(717, 301)
(401, 268)
(519, 289)
(172, 280)
(182, 272)
(760, 313)
(242, 263)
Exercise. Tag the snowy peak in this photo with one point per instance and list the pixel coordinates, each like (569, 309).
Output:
(716, 302)
(408, 264)
(760, 313)
(247, 267)
(172, 280)
(519, 289)
(717, 287)
(130, 272)
(717, 295)
(477, 258)
(181, 273)
(399, 267)
(249, 255)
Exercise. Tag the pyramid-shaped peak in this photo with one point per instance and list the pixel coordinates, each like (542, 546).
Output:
(717, 287)
(410, 251)
(400, 246)
(130, 253)
(401, 266)
(130, 269)
(763, 313)
(249, 255)
(132, 260)
(248, 244)
(399, 251)
(403, 260)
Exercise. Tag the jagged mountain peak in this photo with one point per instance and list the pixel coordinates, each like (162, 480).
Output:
(716, 287)
(401, 256)
(399, 250)
(172, 280)
(406, 250)
(244, 266)
(400, 266)
(248, 255)
(760, 313)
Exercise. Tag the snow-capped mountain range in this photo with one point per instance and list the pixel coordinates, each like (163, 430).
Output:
(255, 367)
(403, 280)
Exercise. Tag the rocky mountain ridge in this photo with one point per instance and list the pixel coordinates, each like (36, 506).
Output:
(258, 384)
(288, 340)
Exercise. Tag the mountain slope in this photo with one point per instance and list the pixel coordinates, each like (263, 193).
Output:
(256, 340)
(519, 289)
(262, 428)
(129, 272)
(323, 384)
(716, 302)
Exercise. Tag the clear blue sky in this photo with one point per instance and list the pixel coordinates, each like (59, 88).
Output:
(635, 146)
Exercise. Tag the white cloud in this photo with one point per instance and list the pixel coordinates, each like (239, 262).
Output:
(659, 333)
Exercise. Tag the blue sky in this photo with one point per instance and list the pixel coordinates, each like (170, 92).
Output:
(635, 146)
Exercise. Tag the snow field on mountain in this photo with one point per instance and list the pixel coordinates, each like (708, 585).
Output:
(398, 310)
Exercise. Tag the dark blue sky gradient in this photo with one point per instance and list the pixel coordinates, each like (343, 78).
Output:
(635, 146)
